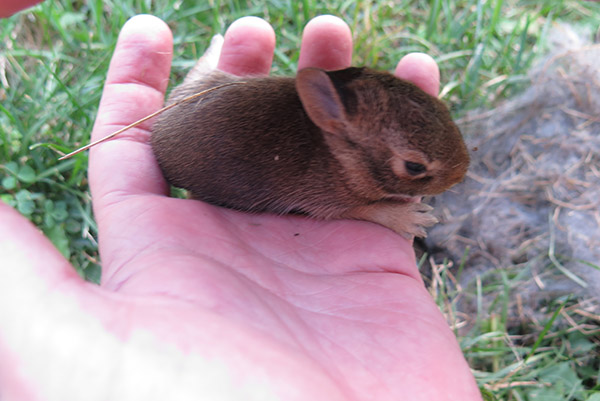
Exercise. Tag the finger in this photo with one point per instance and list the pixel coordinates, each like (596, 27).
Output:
(135, 86)
(248, 47)
(326, 43)
(9, 7)
(422, 70)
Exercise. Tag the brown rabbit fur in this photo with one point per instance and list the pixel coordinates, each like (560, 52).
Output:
(354, 143)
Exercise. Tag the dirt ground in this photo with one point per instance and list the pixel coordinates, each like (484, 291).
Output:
(531, 200)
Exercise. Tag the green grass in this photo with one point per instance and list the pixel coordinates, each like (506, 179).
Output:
(52, 67)
(553, 355)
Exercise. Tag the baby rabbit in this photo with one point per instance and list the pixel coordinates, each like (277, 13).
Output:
(349, 144)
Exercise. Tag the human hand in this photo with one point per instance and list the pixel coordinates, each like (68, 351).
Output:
(201, 302)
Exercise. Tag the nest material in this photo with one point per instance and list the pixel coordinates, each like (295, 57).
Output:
(532, 195)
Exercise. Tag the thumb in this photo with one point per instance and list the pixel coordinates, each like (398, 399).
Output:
(37, 291)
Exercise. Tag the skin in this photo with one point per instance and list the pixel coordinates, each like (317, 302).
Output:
(9, 7)
(200, 301)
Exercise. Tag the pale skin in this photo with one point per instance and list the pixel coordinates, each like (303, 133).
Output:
(9, 7)
(200, 302)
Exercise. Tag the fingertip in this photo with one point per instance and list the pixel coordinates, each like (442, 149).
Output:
(420, 69)
(144, 23)
(10, 7)
(148, 30)
(326, 44)
(248, 47)
(143, 53)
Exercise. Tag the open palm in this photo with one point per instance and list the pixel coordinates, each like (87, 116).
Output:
(201, 302)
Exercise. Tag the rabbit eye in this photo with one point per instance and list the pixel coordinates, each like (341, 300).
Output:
(415, 169)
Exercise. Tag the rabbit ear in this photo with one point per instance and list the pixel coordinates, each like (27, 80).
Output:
(320, 100)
